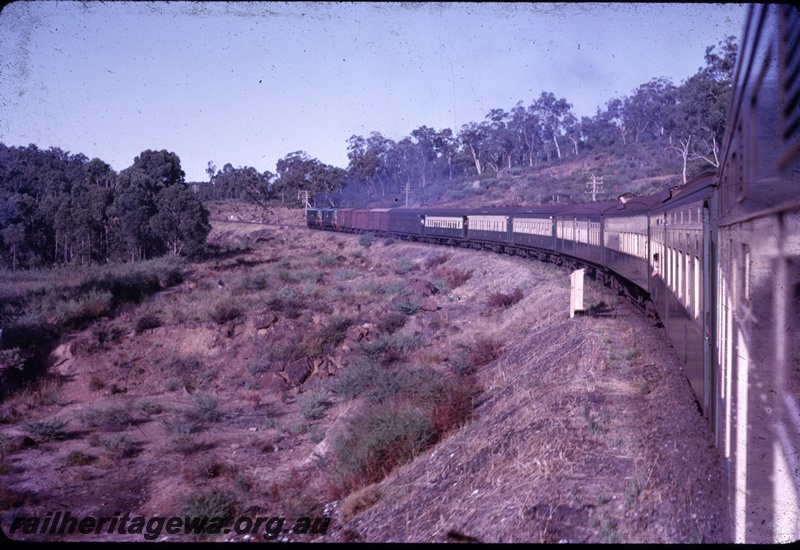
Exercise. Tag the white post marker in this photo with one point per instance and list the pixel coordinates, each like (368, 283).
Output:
(575, 292)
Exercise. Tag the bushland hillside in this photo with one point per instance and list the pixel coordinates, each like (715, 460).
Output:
(407, 392)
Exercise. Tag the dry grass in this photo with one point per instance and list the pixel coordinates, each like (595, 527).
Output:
(529, 469)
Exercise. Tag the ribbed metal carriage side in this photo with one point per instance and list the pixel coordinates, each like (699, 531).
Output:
(757, 281)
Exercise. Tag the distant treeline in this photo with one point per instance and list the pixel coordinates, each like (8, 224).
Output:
(683, 123)
(57, 208)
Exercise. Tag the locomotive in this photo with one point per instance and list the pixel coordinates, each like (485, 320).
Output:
(716, 259)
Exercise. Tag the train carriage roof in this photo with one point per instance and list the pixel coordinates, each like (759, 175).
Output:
(589, 208)
(534, 210)
(431, 211)
(629, 204)
(694, 190)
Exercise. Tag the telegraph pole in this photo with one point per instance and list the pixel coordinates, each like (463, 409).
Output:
(595, 186)
(303, 196)
(407, 191)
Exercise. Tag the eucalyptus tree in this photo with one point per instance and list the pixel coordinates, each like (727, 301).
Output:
(426, 154)
(572, 130)
(526, 127)
(473, 138)
(57, 207)
(500, 143)
(163, 167)
(446, 147)
(368, 162)
(553, 115)
(257, 186)
(130, 214)
(180, 220)
(615, 117)
(244, 183)
(701, 111)
(298, 172)
(154, 211)
(648, 111)
(404, 166)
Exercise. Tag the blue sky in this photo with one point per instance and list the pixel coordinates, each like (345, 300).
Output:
(247, 83)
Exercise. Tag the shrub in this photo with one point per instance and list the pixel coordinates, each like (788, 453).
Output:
(114, 418)
(454, 407)
(380, 437)
(408, 305)
(107, 333)
(78, 458)
(481, 352)
(225, 310)
(47, 430)
(84, 307)
(455, 277)
(389, 348)
(314, 404)
(284, 299)
(359, 501)
(287, 350)
(149, 408)
(184, 443)
(442, 286)
(206, 467)
(214, 503)
(187, 372)
(404, 265)
(206, 407)
(437, 260)
(253, 282)
(485, 350)
(500, 300)
(145, 322)
(330, 335)
(310, 275)
(120, 446)
(183, 365)
(256, 366)
(366, 239)
(392, 322)
(355, 379)
(328, 260)
(595, 423)
(420, 384)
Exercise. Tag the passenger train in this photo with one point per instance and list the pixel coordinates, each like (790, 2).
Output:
(717, 259)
